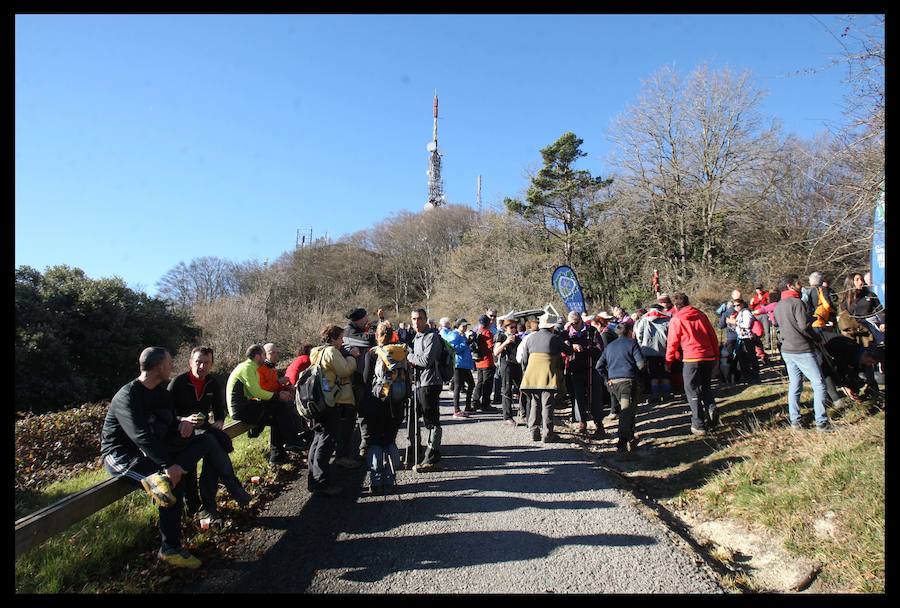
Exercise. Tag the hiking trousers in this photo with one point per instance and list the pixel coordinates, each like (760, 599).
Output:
(697, 387)
(462, 377)
(484, 382)
(540, 411)
(325, 429)
(624, 392)
(429, 398)
(510, 376)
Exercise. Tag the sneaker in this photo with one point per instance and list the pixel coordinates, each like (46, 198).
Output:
(346, 462)
(825, 428)
(612, 416)
(488, 410)
(696, 431)
(179, 558)
(460, 414)
(796, 426)
(159, 488)
(427, 467)
(328, 491)
(509, 422)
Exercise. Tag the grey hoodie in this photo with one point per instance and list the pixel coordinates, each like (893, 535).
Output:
(650, 332)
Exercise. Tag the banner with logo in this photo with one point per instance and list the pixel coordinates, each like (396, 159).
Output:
(878, 249)
(569, 289)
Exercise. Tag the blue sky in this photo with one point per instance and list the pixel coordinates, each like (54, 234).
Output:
(146, 140)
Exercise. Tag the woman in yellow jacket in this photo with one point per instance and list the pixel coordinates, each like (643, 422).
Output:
(336, 370)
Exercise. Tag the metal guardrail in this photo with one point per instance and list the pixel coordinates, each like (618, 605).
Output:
(37, 527)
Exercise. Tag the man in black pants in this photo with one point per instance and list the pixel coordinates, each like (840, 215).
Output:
(133, 449)
(510, 369)
(250, 403)
(425, 356)
(620, 364)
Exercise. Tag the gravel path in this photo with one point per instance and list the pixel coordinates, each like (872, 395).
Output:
(506, 515)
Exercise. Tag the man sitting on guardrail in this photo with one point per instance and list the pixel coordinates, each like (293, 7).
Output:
(250, 403)
(195, 394)
(131, 448)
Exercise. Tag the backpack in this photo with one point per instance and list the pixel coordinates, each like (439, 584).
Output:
(309, 397)
(391, 381)
(823, 308)
(446, 360)
(756, 328)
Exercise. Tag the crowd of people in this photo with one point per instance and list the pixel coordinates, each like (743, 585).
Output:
(372, 376)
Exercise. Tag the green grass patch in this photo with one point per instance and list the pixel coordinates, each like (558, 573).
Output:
(108, 551)
(793, 483)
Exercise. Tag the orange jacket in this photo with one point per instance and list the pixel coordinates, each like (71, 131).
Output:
(268, 378)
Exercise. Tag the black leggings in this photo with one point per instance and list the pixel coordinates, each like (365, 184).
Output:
(461, 376)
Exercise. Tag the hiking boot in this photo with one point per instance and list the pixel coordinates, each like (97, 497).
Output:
(159, 488)
(696, 431)
(237, 491)
(427, 467)
(327, 491)
(825, 428)
(549, 438)
(347, 462)
(376, 490)
(488, 410)
(535, 435)
(390, 488)
(713, 416)
(796, 426)
(277, 458)
(179, 558)
(599, 432)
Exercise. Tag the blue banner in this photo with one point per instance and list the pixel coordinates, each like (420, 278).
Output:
(878, 250)
(569, 289)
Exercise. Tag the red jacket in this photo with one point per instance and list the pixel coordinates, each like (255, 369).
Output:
(296, 368)
(758, 301)
(485, 343)
(691, 332)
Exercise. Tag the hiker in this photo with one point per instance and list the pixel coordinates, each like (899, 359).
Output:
(387, 382)
(336, 368)
(427, 383)
(542, 377)
(759, 300)
(510, 369)
(484, 366)
(862, 306)
(358, 334)
(651, 332)
(665, 301)
(846, 361)
(300, 363)
(692, 340)
(726, 322)
(195, 394)
(620, 365)
(586, 350)
(462, 373)
(249, 402)
(497, 333)
(820, 304)
(744, 349)
(268, 371)
(132, 448)
(798, 353)
(531, 328)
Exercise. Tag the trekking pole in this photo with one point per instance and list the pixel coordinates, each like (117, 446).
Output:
(410, 432)
(416, 416)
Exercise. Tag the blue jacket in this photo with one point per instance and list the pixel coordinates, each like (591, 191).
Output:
(461, 346)
(621, 359)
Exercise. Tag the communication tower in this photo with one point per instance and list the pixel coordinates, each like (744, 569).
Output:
(436, 196)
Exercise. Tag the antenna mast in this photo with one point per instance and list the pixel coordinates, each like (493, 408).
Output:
(436, 196)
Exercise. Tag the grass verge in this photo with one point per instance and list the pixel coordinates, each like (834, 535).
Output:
(114, 549)
(823, 494)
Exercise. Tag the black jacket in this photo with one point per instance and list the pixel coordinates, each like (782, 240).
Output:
(138, 421)
(185, 397)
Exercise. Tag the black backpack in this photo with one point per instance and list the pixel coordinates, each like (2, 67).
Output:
(309, 399)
